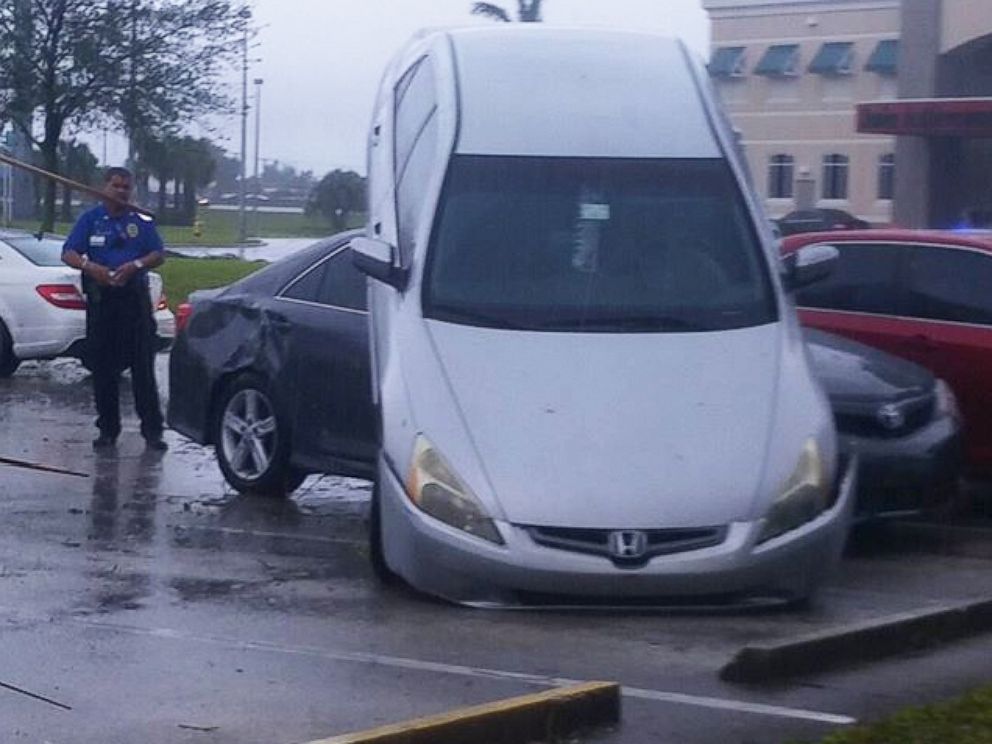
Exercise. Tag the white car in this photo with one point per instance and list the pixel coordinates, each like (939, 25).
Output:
(42, 308)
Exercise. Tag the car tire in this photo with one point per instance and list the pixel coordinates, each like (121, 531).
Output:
(377, 557)
(252, 439)
(8, 362)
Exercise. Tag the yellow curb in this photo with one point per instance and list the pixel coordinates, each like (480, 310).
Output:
(538, 717)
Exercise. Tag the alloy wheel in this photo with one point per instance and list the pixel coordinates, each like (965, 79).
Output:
(249, 435)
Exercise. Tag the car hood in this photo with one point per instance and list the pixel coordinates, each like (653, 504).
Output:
(852, 372)
(615, 430)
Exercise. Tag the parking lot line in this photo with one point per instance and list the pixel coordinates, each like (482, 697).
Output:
(399, 662)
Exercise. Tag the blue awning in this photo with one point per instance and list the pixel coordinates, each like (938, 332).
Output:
(834, 58)
(781, 59)
(885, 59)
(727, 62)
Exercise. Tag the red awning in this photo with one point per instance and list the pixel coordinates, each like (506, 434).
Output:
(931, 117)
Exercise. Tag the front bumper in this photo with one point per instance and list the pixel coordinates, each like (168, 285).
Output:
(906, 475)
(446, 562)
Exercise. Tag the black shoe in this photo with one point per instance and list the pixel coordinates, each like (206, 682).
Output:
(104, 441)
(156, 443)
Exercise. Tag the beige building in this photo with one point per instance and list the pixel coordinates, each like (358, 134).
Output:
(791, 73)
(879, 107)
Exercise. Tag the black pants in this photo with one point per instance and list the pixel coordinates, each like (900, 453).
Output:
(120, 334)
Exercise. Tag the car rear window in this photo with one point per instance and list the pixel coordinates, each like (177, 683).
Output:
(44, 252)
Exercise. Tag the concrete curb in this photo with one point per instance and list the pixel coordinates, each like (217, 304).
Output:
(544, 716)
(859, 642)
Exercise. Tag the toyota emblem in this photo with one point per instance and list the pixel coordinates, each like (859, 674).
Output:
(891, 417)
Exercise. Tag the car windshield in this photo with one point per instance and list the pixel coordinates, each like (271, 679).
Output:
(596, 245)
(44, 252)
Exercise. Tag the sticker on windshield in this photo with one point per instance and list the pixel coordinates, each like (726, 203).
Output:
(598, 212)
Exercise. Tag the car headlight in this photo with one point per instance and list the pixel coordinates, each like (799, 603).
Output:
(946, 403)
(435, 489)
(804, 496)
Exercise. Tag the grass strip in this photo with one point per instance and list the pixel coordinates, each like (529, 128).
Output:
(965, 720)
(184, 275)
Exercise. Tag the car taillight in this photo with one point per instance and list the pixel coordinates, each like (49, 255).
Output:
(163, 302)
(182, 315)
(62, 295)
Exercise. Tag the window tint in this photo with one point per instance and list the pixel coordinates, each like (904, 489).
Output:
(410, 188)
(415, 147)
(307, 287)
(44, 252)
(865, 279)
(415, 104)
(596, 245)
(950, 284)
(342, 284)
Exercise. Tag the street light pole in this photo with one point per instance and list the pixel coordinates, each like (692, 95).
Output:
(258, 137)
(242, 227)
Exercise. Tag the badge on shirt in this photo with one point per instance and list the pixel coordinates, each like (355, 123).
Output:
(132, 230)
(98, 241)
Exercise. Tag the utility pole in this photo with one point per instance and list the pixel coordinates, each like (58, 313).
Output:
(258, 137)
(242, 226)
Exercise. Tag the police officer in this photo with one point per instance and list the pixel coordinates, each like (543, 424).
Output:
(114, 247)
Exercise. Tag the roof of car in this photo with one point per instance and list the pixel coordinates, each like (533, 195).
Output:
(589, 93)
(962, 238)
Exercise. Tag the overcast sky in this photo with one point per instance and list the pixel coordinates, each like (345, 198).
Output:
(321, 61)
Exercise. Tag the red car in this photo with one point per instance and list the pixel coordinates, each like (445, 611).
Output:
(922, 295)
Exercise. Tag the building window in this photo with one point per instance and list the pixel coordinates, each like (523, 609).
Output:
(885, 58)
(834, 58)
(886, 176)
(835, 176)
(780, 169)
(780, 60)
(727, 62)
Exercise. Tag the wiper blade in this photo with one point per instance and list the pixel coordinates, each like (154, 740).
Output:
(476, 317)
(650, 322)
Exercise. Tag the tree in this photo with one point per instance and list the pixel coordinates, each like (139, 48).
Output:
(78, 163)
(188, 163)
(339, 195)
(175, 51)
(528, 11)
(147, 63)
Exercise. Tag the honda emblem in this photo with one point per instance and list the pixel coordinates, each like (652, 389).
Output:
(628, 544)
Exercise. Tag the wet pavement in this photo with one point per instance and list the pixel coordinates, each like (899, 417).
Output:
(160, 606)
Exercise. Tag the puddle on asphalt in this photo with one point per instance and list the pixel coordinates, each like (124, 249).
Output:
(58, 371)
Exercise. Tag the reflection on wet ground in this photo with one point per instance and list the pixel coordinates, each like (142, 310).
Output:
(159, 527)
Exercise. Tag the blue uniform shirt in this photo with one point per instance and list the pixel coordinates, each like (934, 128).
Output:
(113, 241)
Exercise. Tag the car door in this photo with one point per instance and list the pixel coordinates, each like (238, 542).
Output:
(333, 417)
(950, 298)
(864, 297)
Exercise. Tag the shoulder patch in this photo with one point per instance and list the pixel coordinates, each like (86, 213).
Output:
(145, 217)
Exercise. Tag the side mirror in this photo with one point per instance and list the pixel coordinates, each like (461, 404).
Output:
(808, 265)
(377, 258)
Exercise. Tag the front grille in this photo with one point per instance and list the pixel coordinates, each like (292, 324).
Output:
(864, 421)
(658, 542)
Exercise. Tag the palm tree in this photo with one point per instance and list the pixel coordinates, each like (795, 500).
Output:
(528, 11)
(78, 163)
